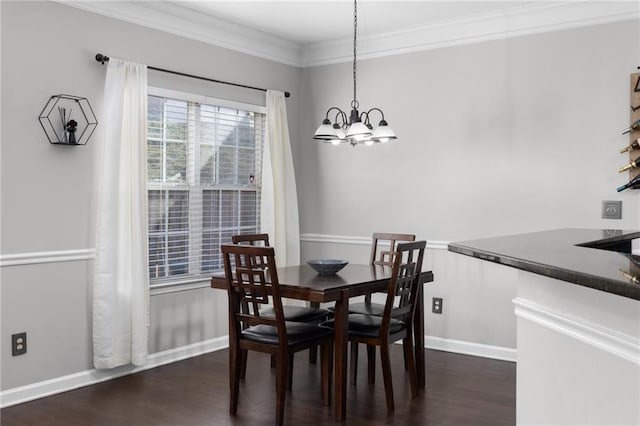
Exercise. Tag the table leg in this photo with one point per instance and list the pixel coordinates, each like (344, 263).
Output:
(313, 352)
(341, 341)
(418, 331)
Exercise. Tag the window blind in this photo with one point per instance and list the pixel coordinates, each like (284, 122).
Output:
(204, 167)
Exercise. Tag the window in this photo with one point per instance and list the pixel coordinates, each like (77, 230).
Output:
(204, 160)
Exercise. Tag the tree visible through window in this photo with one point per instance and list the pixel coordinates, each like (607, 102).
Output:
(203, 166)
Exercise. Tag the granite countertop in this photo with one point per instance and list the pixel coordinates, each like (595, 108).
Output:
(562, 254)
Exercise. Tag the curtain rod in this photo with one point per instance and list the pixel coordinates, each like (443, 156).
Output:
(102, 59)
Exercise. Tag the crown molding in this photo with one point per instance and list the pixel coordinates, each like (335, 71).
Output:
(188, 23)
(522, 20)
(519, 21)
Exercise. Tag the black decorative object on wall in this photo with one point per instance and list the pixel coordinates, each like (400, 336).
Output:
(68, 120)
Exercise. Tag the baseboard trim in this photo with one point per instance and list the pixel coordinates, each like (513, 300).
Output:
(69, 382)
(471, 348)
(84, 378)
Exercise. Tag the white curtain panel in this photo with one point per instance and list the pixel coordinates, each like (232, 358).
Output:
(121, 277)
(279, 200)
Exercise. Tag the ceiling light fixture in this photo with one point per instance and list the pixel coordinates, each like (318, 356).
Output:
(357, 128)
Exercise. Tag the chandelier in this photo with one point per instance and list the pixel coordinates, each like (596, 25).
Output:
(357, 128)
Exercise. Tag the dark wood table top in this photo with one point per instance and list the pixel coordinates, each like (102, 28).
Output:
(302, 282)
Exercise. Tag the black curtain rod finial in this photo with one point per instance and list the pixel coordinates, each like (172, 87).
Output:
(101, 58)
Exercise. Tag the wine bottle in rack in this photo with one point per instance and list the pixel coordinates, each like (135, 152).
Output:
(634, 145)
(633, 164)
(634, 126)
(633, 183)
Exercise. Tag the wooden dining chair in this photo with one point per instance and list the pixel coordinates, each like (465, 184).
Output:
(291, 313)
(396, 322)
(252, 280)
(383, 249)
(382, 257)
(311, 314)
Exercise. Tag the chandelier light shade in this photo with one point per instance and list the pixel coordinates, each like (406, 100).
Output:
(356, 128)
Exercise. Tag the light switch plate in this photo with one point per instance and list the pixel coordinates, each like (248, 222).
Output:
(612, 209)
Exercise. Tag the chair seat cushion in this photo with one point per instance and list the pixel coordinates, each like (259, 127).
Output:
(367, 309)
(298, 313)
(297, 332)
(367, 325)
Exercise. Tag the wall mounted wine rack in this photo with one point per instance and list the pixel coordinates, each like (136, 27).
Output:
(633, 148)
(635, 116)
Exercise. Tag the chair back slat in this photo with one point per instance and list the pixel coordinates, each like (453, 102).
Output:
(251, 239)
(261, 240)
(382, 257)
(250, 320)
(386, 257)
(253, 290)
(252, 281)
(404, 285)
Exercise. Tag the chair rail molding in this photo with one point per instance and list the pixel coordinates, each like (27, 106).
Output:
(363, 241)
(616, 343)
(54, 256)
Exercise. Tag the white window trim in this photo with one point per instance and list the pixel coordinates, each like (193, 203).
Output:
(186, 96)
(175, 286)
(194, 282)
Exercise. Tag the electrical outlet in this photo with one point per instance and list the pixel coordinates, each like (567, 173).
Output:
(19, 343)
(612, 209)
(436, 305)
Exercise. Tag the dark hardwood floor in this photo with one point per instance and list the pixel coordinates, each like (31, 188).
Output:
(461, 390)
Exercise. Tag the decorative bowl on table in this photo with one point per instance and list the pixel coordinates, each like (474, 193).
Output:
(327, 266)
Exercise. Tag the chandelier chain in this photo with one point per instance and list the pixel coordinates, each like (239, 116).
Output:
(355, 32)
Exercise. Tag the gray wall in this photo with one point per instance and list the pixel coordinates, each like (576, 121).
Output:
(495, 138)
(47, 200)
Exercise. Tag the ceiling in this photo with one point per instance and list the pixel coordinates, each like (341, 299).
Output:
(311, 32)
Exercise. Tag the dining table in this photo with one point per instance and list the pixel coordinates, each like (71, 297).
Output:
(301, 282)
